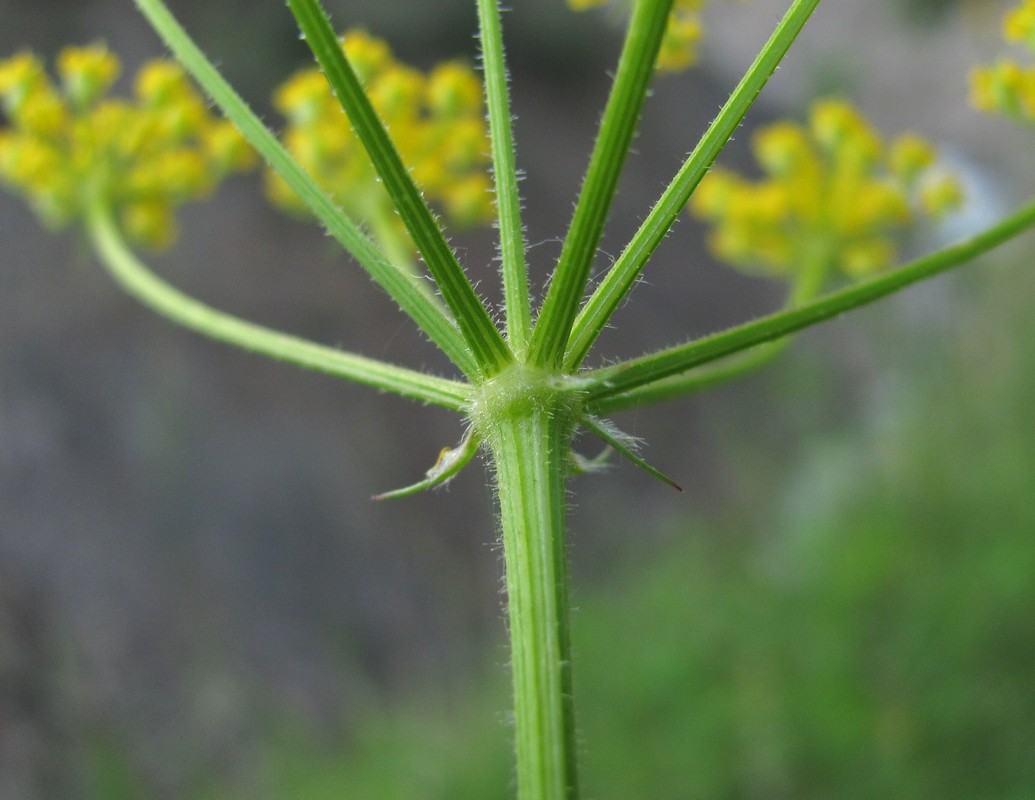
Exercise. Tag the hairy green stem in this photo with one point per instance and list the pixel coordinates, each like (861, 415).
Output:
(695, 380)
(621, 379)
(504, 168)
(170, 302)
(479, 331)
(617, 127)
(529, 446)
(807, 287)
(621, 278)
(816, 264)
(400, 285)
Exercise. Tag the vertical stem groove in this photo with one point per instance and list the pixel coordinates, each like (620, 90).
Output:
(530, 451)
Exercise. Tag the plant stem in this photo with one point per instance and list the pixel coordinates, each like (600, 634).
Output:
(504, 168)
(614, 139)
(699, 378)
(621, 278)
(529, 449)
(476, 325)
(400, 285)
(615, 381)
(173, 304)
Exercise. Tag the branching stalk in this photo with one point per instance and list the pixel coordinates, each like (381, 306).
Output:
(616, 381)
(621, 278)
(504, 168)
(152, 291)
(697, 379)
(477, 327)
(809, 281)
(621, 115)
(400, 284)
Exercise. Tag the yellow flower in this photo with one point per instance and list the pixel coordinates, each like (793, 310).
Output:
(398, 94)
(467, 198)
(68, 148)
(1007, 87)
(1019, 24)
(454, 91)
(149, 221)
(941, 194)
(909, 157)
(833, 196)
(367, 54)
(224, 148)
(87, 72)
(20, 77)
(437, 122)
(305, 98)
(679, 45)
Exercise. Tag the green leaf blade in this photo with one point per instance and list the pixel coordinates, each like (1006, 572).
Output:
(451, 461)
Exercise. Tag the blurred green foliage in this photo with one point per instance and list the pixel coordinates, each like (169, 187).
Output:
(108, 773)
(871, 635)
(926, 12)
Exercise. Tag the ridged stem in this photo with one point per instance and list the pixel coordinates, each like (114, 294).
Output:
(529, 450)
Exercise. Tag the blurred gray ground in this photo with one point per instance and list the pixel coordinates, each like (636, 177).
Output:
(187, 544)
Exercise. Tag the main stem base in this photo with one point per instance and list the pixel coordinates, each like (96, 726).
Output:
(529, 449)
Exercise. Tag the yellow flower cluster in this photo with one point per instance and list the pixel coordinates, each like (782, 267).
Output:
(437, 121)
(68, 146)
(832, 197)
(1007, 87)
(682, 36)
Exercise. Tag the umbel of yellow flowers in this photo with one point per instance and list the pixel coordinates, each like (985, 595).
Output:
(1007, 87)
(436, 120)
(68, 146)
(832, 197)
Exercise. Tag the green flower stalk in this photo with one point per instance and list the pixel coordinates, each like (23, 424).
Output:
(436, 120)
(369, 143)
(683, 31)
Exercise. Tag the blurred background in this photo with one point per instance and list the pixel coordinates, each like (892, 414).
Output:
(198, 599)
